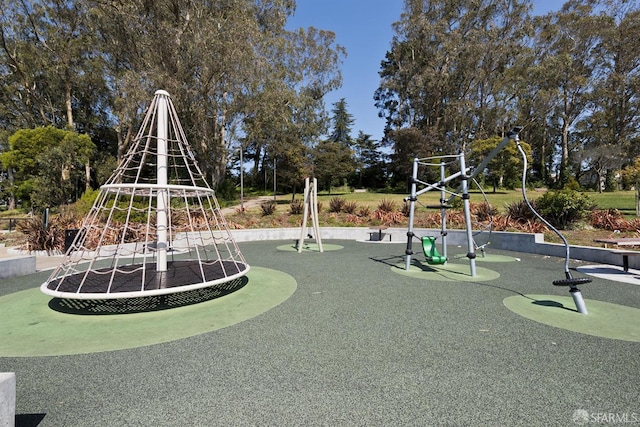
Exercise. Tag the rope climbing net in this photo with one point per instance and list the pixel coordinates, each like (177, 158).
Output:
(155, 228)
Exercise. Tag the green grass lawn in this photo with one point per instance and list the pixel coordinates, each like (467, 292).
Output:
(624, 201)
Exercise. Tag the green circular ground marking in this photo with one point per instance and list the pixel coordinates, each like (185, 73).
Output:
(31, 328)
(309, 247)
(445, 272)
(604, 320)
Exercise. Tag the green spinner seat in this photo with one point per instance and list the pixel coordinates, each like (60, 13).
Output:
(430, 251)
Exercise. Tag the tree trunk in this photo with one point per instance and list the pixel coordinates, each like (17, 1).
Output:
(564, 159)
(87, 174)
(123, 142)
(12, 196)
(68, 104)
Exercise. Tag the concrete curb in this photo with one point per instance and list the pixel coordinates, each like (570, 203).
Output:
(7, 399)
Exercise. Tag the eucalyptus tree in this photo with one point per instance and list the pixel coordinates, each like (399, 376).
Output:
(49, 68)
(201, 52)
(94, 64)
(227, 65)
(446, 71)
(567, 62)
(26, 99)
(612, 129)
(284, 112)
(48, 62)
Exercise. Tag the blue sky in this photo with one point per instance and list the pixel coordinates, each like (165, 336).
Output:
(363, 27)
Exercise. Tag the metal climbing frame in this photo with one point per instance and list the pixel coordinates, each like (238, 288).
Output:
(465, 174)
(442, 162)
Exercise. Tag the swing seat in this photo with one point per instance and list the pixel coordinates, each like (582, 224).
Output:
(430, 251)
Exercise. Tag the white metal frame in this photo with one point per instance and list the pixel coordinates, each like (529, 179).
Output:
(310, 207)
(177, 192)
(465, 174)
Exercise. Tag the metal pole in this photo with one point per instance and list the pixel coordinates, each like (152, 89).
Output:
(412, 206)
(467, 217)
(241, 180)
(161, 197)
(443, 210)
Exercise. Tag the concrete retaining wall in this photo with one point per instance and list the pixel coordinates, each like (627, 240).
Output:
(7, 399)
(17, 266)
(519, 242)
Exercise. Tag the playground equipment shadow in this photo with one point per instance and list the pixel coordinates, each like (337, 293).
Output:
(357, 344)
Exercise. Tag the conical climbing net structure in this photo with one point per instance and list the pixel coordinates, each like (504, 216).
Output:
(155, 228)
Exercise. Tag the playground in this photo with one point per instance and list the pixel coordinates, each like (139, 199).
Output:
(343, 337)
(179, 321)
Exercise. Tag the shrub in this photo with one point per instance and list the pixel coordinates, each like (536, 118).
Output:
(83, 205)
(456, 203)
(364, 211)
(610, 219)
(336, 204)
(483, 211)
(296, 207)
(268, 207)
(520, 212)
(563, 208)
(572, 184)
(38, 237)
(389, 218)
(354, 219)
(350, 207)
(406, 209)
(50, 238)
(386, 205)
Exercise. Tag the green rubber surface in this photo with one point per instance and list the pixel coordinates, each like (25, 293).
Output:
(445, 272)
(310, 247)
(604, 319)
(31, 328)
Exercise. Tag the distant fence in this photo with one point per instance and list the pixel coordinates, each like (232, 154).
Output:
(9, 224)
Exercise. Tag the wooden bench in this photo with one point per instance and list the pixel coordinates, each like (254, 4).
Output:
(378, 235)
(624, 241)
